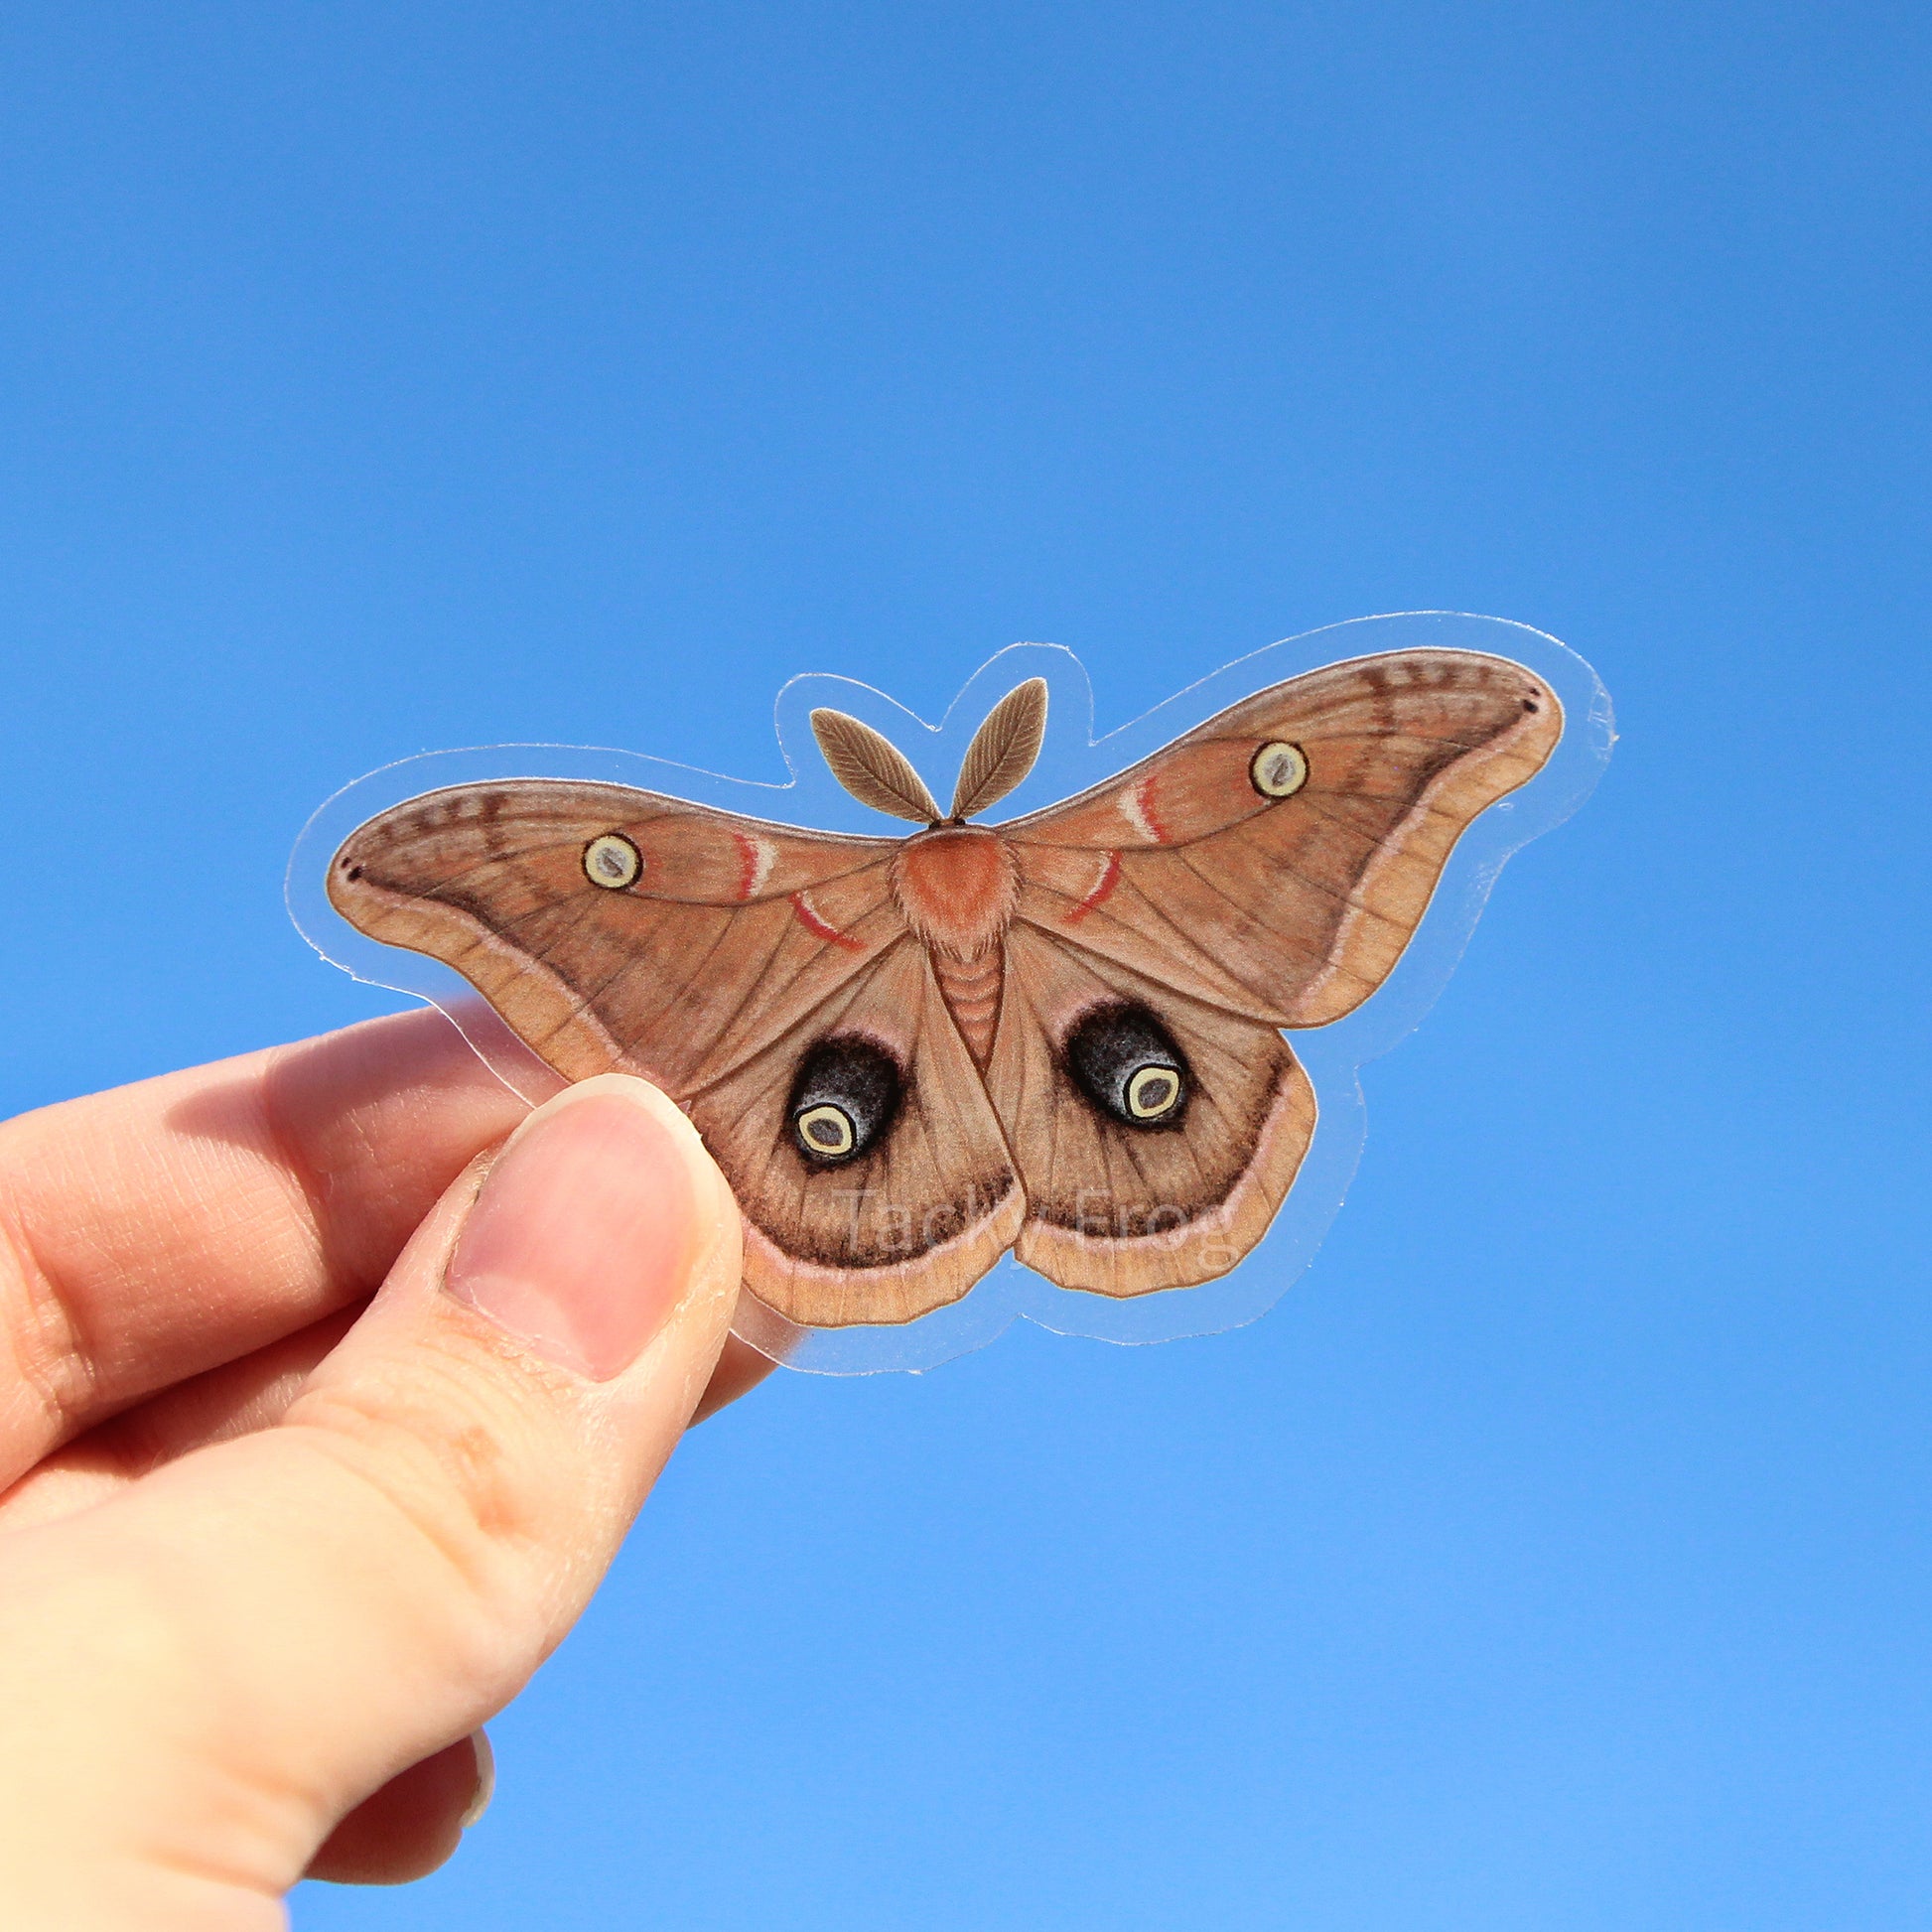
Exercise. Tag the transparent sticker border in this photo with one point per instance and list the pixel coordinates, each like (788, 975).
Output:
(1071, 760)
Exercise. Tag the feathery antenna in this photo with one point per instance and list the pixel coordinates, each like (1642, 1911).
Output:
(1003, 750)
(873, 769)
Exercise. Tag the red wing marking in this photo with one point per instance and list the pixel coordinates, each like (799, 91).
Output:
(1109, 879)
(1137, 807)
(807, 915)
(754, 857)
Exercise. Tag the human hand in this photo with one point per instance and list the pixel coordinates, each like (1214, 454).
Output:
(271, 1551)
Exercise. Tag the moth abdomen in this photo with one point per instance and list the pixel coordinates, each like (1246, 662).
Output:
(1129, 1066)
(971, 989)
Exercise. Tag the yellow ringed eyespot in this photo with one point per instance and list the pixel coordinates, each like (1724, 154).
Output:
(826, 1130)
(613, 862)
(1128, 1066)
(1278, 769)
(1152, 1091)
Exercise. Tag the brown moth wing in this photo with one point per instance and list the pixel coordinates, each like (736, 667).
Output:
(1293, 909)
(733, 932)
(1121, 1210)
(902, 1228)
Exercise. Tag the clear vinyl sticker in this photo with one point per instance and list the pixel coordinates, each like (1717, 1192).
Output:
(1080, 1045)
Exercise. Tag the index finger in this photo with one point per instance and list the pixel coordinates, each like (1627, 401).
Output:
(152, 1232)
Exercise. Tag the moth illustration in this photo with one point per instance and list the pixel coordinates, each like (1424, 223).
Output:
(1061, 1035)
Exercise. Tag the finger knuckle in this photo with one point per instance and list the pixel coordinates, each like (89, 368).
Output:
(51, 1356)
(453, 1475)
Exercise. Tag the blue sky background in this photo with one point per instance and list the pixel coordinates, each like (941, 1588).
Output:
(382, 378)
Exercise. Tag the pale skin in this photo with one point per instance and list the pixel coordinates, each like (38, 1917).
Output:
(321, 1414)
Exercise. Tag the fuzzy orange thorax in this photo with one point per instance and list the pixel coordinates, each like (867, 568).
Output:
(956, 886)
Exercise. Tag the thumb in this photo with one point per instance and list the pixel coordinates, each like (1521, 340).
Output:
(203, 1675)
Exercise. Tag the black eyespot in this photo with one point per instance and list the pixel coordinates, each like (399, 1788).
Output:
(1530, 704)
(844, 1098)
(354, 871)
(1127, 1063)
